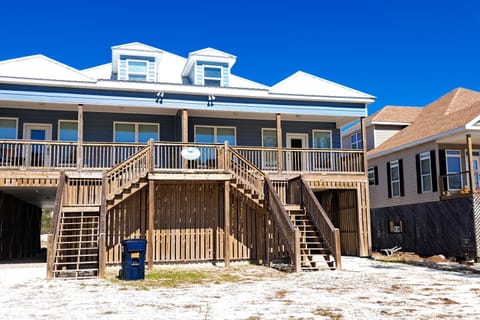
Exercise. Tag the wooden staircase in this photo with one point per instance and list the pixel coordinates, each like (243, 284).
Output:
(314, 253)
(77, 244)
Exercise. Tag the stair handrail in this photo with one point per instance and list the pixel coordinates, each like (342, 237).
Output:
(125, 173)
(288, 230)
(246, 172)
(322, 222)
(53, 236)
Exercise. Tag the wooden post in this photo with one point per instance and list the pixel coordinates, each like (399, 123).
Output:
(184, 125)
(226, 244)
(471, 175)
(226, 163)
(102, 248)
(364, 145)
(80, 137)
(279, 142)
(151, 163)
(151, 221)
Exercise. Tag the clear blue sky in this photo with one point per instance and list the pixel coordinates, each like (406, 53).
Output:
(403, 52)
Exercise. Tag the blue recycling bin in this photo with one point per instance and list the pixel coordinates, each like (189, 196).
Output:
(133, 259)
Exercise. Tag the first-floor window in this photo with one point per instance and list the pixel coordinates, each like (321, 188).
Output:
(454, 168)
(8, 128)
(135, 132)
(426, 172)
(211, 134)
(68, 130)
(372, 175)
(395, 188)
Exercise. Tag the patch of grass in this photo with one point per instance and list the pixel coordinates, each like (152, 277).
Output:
(46, 220)
(175, 278)
(327, 313)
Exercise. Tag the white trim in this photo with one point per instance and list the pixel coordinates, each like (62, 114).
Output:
(136, 124)
(147, 64)
(459, 156)
(471, 125)
(58, 128)
(395, 164)
(214, 132)
(289, 159)
(28, 126)
(426, 156)
(16, 124)
(321, 130)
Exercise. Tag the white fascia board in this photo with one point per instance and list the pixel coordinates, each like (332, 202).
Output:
(471, 125)
(390, 123)
(181, 89)
(417, 142)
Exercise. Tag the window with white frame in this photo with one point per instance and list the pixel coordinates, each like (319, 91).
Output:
(68, 130)
(135, 132)
(395, 178)
(137, 70)
(356, 140)
(269, 140)
(212, 76)
(8, 128)
(426, 171)
(371, 175)
(215, 134)
(454, 169)
(322, 139)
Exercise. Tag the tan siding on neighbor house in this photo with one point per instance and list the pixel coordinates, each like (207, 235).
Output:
(384, 132)
(379, 193)
(370, 138)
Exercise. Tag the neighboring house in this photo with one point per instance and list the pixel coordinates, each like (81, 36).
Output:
(380, 126)
(424, 180)
(203, 164)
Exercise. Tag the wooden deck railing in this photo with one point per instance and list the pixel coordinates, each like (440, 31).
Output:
(82, 192)
(322, 222)
(305, 160)
(129, 171)
(53, 236)
(457, 184)
(246, 173)
(168, 157)
(290, 234)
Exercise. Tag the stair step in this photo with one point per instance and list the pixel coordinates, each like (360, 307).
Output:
(69, 209)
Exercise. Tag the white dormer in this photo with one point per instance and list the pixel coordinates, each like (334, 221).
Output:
(209, 67)
(135, 62)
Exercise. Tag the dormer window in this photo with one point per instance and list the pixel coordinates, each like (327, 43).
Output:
(212, 76)
(137, 70)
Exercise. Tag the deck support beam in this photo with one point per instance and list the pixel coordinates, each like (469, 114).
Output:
(471, 177)
(226, 245)
(279, 142)
(151, 215)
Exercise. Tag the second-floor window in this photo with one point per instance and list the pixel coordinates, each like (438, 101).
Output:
(356, 140)
(212, 76)
(68, 130)
(425, 172)
(211, 134)
(8, 128)
(322, 139)
(454, 169)
(137, 70)
(373, 175)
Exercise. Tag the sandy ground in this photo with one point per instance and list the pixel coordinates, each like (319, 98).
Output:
(364, 289)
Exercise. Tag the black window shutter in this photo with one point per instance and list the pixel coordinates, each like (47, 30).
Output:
(419, 175)
(433, 166)
(443, 166)
(375, 173)
(400, 172)
(389, 180)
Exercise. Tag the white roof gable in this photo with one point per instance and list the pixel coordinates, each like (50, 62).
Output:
(210, 52)
(40, 67)
(136, 46)
(301, 83)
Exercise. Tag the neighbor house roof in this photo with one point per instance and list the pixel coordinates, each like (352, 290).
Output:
(452, 111)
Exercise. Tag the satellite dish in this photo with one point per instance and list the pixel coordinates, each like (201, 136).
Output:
(190, 153)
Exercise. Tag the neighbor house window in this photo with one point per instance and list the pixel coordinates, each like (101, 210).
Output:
(426, 172)
(373, 175)
(135, 132)
(67, 130)
(356, 140)
(137, 70)
(395, 178)
(211, 134)
(454, 169)
(322, 139)
(8, 128)
(212, 76)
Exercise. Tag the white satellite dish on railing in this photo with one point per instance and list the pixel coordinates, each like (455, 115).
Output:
(190, 153)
